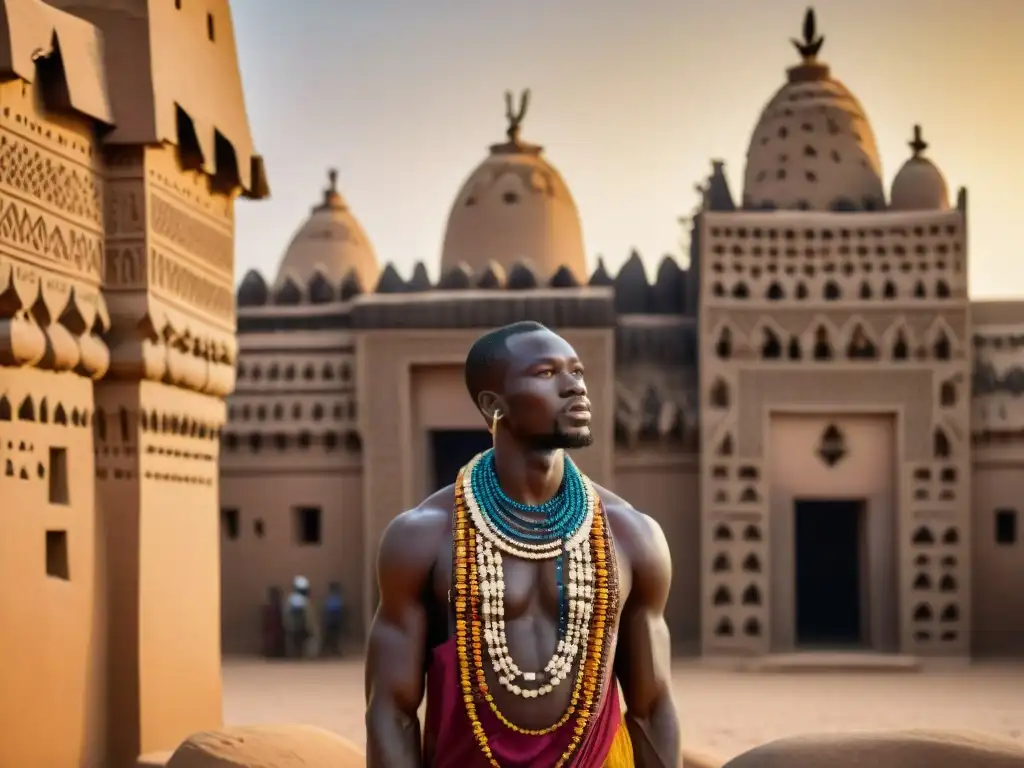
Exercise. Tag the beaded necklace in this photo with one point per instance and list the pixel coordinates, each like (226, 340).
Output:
(592, 603)
(537, 532)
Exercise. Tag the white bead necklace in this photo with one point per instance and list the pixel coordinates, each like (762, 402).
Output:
(580, 589)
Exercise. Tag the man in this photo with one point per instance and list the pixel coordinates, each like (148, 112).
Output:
(516, 599)
(273, 625)
(334, 620)
(300, 627)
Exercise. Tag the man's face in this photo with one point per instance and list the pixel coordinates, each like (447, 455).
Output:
(545, 403)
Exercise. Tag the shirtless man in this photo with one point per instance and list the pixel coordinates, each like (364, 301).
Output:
(461, 616)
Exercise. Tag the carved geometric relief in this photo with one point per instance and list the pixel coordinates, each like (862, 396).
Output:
(771, 346)
(752, 533)
(722, 532)
(861, 347)
(195, 237)
(832, 447)
(718, 397)
(793, 351)
(822, 349)
(751, 595)
(723, 347)
(923, 536)
(923, 612)
(947, 394)
(184, 283)
(125, 266)
(48, 179)
(63, 243)
(900, 347)
(752, 563)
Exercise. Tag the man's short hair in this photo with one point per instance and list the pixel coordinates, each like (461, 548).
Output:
(491, 349)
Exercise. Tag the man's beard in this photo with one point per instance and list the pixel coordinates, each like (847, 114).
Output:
(558, 439)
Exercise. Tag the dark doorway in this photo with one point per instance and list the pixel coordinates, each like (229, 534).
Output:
(452, 449)
(829, 558)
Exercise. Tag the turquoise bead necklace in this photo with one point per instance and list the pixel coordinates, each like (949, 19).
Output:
(558, 518)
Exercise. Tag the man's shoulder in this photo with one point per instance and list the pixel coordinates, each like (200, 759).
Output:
(422, 527)
(640, 534)
(624, 516)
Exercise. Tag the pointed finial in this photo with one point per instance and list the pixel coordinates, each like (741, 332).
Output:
(332, 180)
(809, 47)
(514, 116)
(918, 145)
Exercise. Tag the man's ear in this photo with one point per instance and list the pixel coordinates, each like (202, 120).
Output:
(488, 402)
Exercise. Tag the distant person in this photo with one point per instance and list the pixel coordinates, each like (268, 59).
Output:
(334, 620)
(300, 626)
(273, 624)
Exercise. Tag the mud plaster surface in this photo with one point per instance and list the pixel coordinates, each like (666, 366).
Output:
(722, 713)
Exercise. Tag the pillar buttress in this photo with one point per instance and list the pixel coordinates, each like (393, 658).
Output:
(168, 285)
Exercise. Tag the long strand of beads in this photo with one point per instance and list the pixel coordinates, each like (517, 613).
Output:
(588, 691)
(580, 609)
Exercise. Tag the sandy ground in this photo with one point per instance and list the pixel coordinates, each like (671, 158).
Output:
(722, 713)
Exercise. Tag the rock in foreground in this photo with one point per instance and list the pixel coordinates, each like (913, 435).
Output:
(267, 746)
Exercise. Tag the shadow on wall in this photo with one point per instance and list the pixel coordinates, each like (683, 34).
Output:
(303, 746)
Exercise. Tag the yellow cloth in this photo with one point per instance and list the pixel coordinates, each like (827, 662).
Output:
(621, 753)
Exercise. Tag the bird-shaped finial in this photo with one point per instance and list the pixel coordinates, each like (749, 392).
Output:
(918, 145)
(809, 47)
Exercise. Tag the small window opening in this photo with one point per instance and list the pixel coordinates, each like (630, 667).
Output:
(229, 523)
(57, 555)
(1006, 526)
(58, 491)
(307, 525)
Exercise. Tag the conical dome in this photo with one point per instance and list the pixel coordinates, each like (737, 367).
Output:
(331, 242)
(813, 148)
(515, 207)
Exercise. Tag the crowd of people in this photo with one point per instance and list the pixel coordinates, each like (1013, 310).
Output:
(296, 627)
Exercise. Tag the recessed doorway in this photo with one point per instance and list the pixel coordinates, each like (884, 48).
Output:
(451, 450)
(830, 556)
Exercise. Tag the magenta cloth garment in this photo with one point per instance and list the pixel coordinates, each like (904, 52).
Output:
(449, 739)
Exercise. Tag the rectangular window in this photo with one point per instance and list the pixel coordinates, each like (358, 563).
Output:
(58, 491)
(229, 523)
(57, 566)
(1006, 526)
(307, 525)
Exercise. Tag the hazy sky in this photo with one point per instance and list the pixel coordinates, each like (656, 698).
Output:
(630, 99)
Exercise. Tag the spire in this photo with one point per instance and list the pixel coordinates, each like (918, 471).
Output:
(809, 47)
(332, 198)
(809, 69)
(918, 145)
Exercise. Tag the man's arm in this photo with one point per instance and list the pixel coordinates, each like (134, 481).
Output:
(397, 644)
(643, 659)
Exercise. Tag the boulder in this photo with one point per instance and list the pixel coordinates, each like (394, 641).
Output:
(896, 749)
(267, 746)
